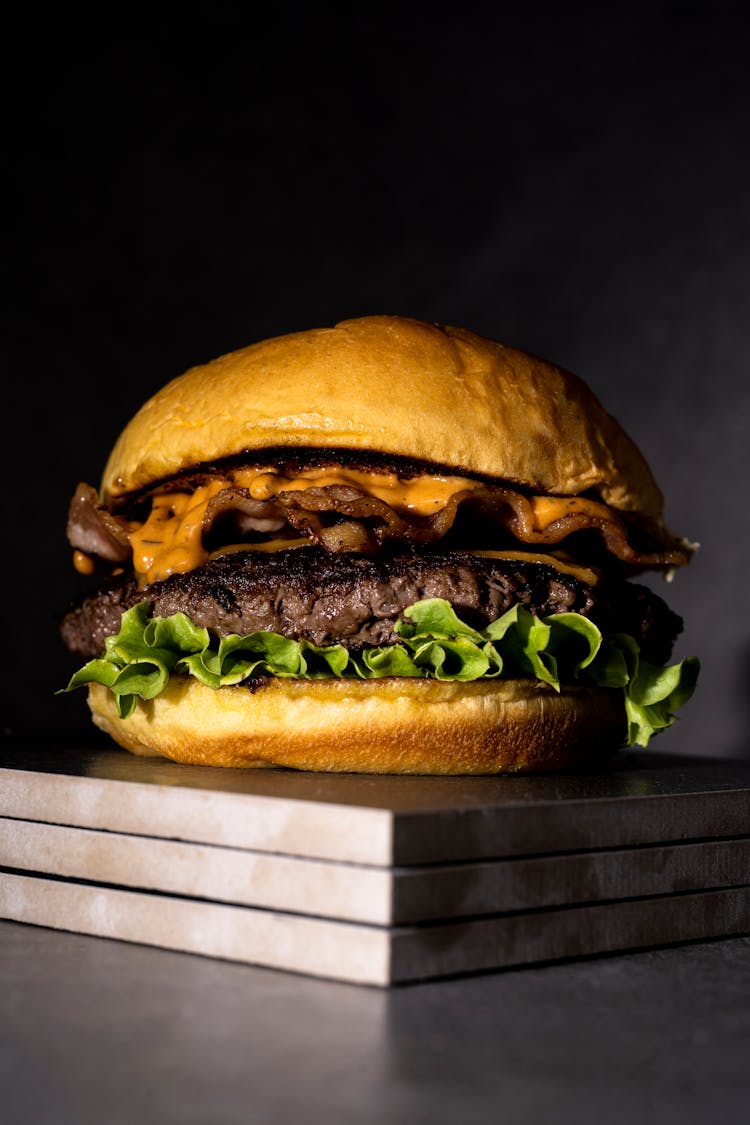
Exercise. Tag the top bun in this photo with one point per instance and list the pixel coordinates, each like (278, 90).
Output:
(396, 386)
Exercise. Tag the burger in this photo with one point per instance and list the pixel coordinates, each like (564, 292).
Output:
(383, 547)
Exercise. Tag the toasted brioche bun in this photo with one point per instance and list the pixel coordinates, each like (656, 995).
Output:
(372, 726)
(395, 386)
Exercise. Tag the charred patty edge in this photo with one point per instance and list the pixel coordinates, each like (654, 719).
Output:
(355, 600)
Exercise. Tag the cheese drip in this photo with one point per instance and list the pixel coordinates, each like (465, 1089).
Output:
(583, 573)
(171, 539)
(420, 496)
(547, 510)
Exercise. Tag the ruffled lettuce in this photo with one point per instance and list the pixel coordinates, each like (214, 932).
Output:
(433, 643)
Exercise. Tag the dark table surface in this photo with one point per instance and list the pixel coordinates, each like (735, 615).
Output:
(102, 1031)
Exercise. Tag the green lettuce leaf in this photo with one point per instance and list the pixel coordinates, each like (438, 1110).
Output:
(433, 643)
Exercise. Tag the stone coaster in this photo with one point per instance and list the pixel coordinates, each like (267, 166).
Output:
(372, 955)
(642, 798)
(382, 896)
(375, 880)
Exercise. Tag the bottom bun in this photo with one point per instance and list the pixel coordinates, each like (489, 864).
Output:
(394, 725)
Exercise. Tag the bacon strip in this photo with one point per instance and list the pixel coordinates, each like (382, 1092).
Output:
(516, 512)
(94, 530)
(344, 519)
(502, 506)
(247, 513)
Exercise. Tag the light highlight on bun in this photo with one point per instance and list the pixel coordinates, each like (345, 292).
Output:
(396, 386)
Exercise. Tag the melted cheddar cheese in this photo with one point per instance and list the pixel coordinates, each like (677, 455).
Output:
(421, 496)
(584, 573)
(171, 539)
(548, 509)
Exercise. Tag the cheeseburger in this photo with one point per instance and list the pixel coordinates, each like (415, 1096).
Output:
(383, 547)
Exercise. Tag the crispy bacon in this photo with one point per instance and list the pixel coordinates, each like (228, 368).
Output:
(94, 530)
(344, 519)
(379, 523)
(515, 511)
(247, 513)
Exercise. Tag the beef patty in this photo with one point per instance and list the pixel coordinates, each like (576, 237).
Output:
(356, 600)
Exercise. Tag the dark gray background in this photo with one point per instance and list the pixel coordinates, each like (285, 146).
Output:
(573, 180)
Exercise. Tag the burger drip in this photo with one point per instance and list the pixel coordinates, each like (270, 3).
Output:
(419, 496)
(343, 510)
(298, 489)
(171, 539)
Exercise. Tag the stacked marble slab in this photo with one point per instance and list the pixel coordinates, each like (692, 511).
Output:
(375, 880)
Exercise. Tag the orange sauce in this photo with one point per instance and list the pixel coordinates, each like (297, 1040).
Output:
(418, 495)
(547, 509)
(171, 539)
(83, 563)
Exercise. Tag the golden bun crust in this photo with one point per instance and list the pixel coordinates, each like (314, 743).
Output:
(396, 726)
(397, 386)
